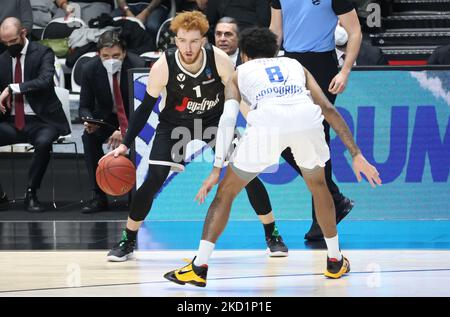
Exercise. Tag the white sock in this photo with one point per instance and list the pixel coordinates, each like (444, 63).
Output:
(204, 252)
(333, 248)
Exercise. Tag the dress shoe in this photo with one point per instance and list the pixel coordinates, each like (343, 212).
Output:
(95, 205)
(32, 203)
(3, 200)
(343, 208)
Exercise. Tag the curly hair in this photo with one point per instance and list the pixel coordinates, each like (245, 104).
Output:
(194, 20)
(258, 42)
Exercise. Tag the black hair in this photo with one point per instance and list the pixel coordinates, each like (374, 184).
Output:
(258, 42)
(110, 39)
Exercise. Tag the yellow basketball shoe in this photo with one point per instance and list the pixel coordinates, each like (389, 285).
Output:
(191, 274)
(335, 268)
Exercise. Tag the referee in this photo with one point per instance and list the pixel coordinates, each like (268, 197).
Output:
(306, 31)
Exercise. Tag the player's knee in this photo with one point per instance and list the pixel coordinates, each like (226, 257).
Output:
(316, 184)
(227, 190)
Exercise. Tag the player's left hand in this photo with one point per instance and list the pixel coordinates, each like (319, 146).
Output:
(114, 140)
(338, 83)
(208, 184)
(360, 165)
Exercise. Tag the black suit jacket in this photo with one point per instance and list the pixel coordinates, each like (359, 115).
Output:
(440, 56)
(38, 86)
(370, 56)
(96, 98)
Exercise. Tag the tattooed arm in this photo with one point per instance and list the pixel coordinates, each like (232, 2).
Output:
(360, 164)
(332, 116)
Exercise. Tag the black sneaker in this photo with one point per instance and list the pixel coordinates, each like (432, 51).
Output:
(122, 251)
(276, 247)
(343, 208)
(335, 268)
(191, 274)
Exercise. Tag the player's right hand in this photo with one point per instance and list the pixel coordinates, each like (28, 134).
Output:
(208, 184)
(120, 150)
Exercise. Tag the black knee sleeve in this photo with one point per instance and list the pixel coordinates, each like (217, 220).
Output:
(258, 196)
(143, 199)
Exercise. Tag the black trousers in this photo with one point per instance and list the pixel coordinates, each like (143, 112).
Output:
(38, 133)
(323, 66)
(93, 151)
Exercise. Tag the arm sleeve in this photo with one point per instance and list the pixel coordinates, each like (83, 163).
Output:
(225, 131)
(139, 119)
(342, 6)
(275, 4)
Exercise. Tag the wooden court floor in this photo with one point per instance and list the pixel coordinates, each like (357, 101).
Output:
(231, 274)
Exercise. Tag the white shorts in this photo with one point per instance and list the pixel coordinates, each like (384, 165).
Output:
(261, 145)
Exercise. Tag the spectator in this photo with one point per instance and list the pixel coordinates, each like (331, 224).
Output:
(368, 55)
(226, 38)
(440, 56)
(152, 13)
(30, 111)
(20, 9)
(191, 5)
(306, 29)
(43, 11)
(247, 13)
(104, 95)
(85, 9)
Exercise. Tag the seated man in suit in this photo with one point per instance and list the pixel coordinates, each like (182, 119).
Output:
(368, 55)
(30, 111)
(226, 36)
(104, 95)
(440, 56)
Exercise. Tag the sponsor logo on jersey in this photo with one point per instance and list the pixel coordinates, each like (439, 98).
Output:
(197, 107)
(181, 77)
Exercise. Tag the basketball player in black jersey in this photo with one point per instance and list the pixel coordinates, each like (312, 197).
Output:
(193, 76)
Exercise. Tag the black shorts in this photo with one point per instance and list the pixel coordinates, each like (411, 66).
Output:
(170, 142)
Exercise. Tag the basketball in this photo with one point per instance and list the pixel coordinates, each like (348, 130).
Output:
(116, 176)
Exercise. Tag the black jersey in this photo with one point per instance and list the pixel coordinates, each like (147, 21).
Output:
(192, 96)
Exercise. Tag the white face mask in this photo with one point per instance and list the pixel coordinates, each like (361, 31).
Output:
(112, 65)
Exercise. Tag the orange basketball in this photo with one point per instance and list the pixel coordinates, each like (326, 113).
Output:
(116, 176)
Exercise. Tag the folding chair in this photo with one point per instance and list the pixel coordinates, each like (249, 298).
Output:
(63, 96)
(77, 73)
(165, 38)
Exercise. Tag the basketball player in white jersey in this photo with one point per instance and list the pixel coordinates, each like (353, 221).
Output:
(288, 108)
